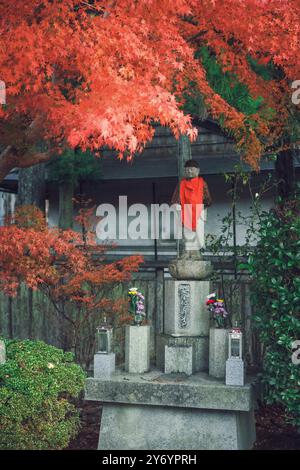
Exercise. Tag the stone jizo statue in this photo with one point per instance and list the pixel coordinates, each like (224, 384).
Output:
(192, 197)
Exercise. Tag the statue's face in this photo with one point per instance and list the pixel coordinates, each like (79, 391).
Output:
(191, 172)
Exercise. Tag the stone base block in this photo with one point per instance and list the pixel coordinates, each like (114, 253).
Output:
(218, 352)
(185, 311)
(140, 427)
(137, 349)
(175, 412)
(179, 359)
(199, 347)
(104, 365)
(235, 372)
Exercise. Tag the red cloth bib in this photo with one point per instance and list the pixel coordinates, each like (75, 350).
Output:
(191, 193)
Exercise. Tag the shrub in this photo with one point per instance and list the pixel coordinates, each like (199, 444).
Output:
(275, 269)
(37, 385)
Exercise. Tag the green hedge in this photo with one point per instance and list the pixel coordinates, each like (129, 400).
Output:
(37, 385)
(275, 270)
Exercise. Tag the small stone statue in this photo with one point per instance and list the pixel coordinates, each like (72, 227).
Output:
(192, 196)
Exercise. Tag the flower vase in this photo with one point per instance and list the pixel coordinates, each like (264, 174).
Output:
(138, 320)
(218, 351)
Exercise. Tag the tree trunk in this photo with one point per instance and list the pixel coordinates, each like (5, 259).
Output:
(66, 194)
(31, 186)
(31, 191)
(285, 173)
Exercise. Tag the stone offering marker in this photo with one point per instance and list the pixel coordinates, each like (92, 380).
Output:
(2, 352)
(137, 348)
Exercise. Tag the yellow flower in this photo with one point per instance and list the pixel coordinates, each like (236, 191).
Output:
(220, 300)
(132, 291)
(50, 365)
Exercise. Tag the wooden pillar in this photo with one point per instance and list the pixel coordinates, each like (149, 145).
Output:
(159, 301)
(184, 154)
(285, 173)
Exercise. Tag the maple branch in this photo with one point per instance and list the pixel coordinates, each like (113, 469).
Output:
(31, 159)
(8, 161)
(99, 9)
(22, 153)
(60, 311)
(11, 158)
(196, 36)
(92, 6)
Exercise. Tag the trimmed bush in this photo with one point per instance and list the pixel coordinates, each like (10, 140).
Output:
(37, 385)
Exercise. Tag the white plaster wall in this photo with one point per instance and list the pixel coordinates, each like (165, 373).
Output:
(7, 205)
(141, 191)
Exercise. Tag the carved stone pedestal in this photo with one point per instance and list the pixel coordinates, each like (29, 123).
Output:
(186, 324)
(185, 310)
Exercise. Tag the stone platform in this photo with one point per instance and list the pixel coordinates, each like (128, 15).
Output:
(154, 411)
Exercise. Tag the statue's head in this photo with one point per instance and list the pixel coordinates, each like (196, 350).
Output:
(191, 169)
